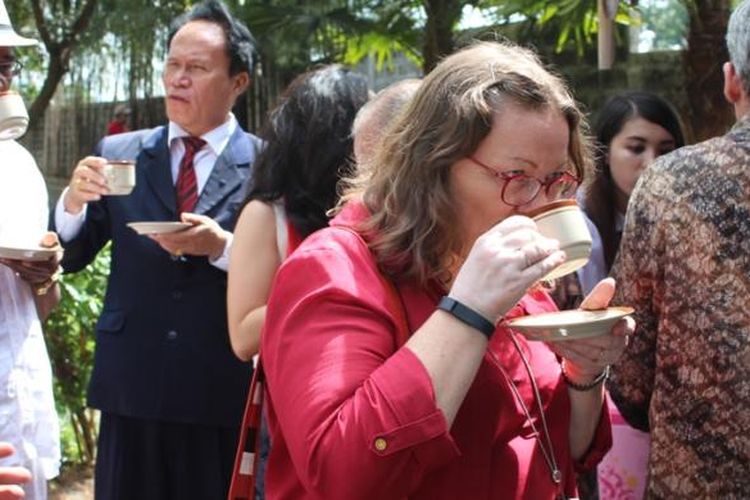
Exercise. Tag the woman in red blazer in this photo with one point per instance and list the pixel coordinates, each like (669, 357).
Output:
(391, 372)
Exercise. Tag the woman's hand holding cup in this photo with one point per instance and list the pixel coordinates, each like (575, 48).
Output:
(503, 264)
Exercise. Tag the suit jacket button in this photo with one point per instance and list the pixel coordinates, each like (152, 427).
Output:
(176, 294)
(171, 335)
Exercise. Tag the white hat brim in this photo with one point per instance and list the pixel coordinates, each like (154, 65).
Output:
(9, 38)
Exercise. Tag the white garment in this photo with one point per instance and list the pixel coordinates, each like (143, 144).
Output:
(28, 418)
(68, 225)
(595, 269)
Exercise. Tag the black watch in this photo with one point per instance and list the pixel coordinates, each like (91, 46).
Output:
(467, 315)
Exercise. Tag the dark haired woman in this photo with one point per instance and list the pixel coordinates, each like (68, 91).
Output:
(308, 147)
(631, 131)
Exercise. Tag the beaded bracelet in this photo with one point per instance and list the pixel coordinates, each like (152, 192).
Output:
(599, 379)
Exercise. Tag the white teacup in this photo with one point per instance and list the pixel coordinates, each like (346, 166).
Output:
(564, 221)
(14, 120)
(120, 176)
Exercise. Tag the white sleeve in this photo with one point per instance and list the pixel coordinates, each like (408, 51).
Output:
(595, 269)
(68, 225)
(222, 261)
(282, 236)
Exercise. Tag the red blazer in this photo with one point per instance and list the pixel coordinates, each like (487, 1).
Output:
(353, 416)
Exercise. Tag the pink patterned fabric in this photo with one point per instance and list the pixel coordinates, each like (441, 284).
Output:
(623, 471)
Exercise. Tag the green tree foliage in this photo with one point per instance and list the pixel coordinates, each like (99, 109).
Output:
(668, 19)
(567, 24)
(69, 333)
(294, 35)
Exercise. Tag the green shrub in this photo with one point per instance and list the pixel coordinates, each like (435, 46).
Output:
(70, 337)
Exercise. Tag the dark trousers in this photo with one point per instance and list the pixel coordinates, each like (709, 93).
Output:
(151, 460)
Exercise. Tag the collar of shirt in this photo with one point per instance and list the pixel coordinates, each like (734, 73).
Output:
(217, 140)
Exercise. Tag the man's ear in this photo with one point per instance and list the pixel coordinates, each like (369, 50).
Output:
(732, 83)
(241, 82)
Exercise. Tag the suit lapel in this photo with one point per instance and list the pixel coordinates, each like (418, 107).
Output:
(229, 172)
(158, 171)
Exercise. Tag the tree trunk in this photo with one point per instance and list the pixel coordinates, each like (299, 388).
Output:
(58, 67)
(710, 114)
(60, 52)
(442, 16)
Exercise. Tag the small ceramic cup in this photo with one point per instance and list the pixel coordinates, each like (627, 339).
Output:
(120, 176)
(564, 221)
(14, 120)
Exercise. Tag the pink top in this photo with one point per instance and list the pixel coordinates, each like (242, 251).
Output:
(352, 415)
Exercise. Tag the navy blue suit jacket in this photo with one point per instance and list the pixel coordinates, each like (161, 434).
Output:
(162, 343)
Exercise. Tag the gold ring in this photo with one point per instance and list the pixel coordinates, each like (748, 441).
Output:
(178, 252)
(79, 181)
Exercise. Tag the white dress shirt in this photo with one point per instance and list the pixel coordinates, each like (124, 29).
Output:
(28, 418)
(68, 225)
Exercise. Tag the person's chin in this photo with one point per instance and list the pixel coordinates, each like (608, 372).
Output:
(177, 116)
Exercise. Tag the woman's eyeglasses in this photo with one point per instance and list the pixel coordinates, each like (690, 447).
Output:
(520, 189)
(9, 69)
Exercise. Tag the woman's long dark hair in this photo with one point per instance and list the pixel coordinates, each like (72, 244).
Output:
(599, 199)
(309, 145)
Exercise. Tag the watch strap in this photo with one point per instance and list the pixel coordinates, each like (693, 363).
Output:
(467, 315)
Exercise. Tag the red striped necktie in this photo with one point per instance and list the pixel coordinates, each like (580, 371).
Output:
(187, 186)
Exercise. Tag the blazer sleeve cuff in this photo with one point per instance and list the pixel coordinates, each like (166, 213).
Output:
(421, 428)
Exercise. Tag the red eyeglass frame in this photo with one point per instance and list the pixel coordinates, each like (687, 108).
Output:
(506, 178)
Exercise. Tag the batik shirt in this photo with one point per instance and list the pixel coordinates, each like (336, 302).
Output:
(684, 265)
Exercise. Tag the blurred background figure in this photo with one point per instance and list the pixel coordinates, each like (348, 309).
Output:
(373, 119)
(120, 121)
(683, 264)
(632, 130)
(28, 292)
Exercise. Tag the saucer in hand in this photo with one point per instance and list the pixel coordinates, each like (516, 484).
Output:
(569, 325)
(159, 227)
(30, 253)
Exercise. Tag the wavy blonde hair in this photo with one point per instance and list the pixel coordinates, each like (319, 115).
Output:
(412, 228)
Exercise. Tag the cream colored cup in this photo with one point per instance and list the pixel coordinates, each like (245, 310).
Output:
(120, 176)
(14, 120)
(564, 221)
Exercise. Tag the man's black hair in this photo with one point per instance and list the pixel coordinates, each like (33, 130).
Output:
(240, 44)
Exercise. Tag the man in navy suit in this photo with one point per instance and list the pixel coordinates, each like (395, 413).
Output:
(170, 390)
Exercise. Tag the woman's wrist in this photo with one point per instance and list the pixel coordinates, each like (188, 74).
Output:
(583, 381)
(467, 315)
